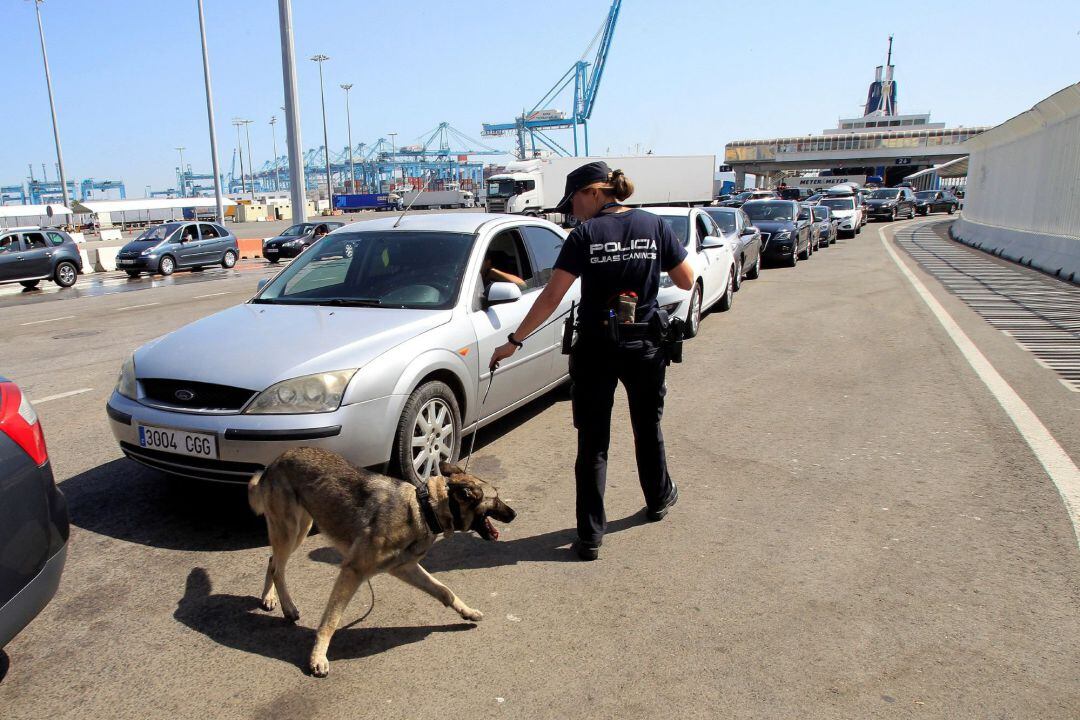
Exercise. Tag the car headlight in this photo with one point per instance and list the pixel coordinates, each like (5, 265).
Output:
(666, 281)
(318, 393)
(780, 237)
(125, 382)
(148, 251)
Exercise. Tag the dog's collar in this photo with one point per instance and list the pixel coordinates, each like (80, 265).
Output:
(423, 498)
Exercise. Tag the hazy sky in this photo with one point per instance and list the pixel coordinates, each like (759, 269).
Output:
(684, 76)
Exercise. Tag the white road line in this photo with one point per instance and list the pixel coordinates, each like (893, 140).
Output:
(61, 396)
(38, 322)
(132, 307)
(1057, 463)
(200, 297)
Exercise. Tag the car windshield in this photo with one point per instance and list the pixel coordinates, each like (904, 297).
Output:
(157, 233)
(743, 196)
(301, 229)
(500, 188)
(395, 269)
(725, 219)
(884, 195)
(769, 211)
(839, 203)
(820, 213)
(679, 224)
(926, 194)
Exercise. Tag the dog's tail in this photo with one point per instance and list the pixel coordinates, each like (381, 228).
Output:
(257, 493)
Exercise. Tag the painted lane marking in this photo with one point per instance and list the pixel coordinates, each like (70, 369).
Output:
(39, 322)
(132, 307)
(61, 396)
(200, 297)
(1055, 461)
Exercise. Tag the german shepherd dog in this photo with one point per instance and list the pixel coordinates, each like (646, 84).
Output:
(376, 522)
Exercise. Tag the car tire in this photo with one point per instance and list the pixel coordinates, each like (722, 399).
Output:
(228, 260)
(65, 274)
(857, 230)
(794, 259)
(693, 313)
(805, 254)
(166, 266)
(274, 260)
(755, 272)
(951, 210)
(132, 273)
(434, 404)
(728, 298)
(737, 274)
(30, 284)
(911, 213)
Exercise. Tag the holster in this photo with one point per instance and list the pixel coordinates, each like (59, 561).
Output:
(568, 330)
(670, 331)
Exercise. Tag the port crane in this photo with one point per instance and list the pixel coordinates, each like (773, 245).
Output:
(585, 76)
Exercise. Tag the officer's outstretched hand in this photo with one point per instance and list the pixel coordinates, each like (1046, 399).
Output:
(501, 353)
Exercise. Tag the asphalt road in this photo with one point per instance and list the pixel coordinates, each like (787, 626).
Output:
(862, 532)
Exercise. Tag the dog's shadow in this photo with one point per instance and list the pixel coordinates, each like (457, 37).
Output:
(236, 621)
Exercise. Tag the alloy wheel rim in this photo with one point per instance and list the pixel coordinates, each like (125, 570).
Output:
(67, 274)
(695, 308)
(433, 437)
(166, 265)
(230, 259)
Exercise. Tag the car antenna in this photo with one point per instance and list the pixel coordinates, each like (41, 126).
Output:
(406, 211)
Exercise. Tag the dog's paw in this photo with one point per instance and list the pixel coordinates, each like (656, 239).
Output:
(320, 666)
(268, 603)
(291, 614)
(473, 615)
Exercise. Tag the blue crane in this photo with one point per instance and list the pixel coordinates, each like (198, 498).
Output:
(586, 79)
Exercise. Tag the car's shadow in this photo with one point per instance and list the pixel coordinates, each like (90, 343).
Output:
(129, 502)
(237, 622)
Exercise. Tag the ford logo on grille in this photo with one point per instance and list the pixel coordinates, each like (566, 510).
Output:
(184, 395)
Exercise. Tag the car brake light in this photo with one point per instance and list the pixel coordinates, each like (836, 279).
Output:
(19, 421)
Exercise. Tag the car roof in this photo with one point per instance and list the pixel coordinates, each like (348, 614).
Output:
(769, 200)
(719, 208)
(670, 210)
(435, 222)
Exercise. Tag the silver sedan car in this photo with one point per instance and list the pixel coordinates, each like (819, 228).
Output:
(374, 343)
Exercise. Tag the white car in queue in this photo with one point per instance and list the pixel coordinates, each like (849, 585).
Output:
(374, 343)
(713, 259)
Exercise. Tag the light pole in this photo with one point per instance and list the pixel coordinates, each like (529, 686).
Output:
(237, 122)
(393, 159)
(183, 192)
(251, 158)
(297, 189)
(219, 201)
(52, 106)
(273, 135)
(326, 139)
(348, 124)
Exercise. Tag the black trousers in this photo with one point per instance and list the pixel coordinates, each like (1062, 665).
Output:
(596, 366)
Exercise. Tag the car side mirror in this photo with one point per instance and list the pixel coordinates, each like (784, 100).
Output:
(262, 284)
(711, 241)
(500, 293)
(748, 230)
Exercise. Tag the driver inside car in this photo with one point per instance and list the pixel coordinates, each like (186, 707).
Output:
(491, 274)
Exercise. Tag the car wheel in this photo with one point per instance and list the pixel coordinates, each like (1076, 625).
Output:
(66, 274)
(166, 265)
(892, 218)
(273, 260)
(858, 229)
(228, 260)
(951, 210)
(728, 297)
(30, 284)
(737, 274)
(693, 315)
(911, 213)
(805, 254)
(755, 272)
(794, 259)
(429, 431)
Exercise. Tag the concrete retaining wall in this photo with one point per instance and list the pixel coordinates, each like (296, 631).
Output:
(1022, 199)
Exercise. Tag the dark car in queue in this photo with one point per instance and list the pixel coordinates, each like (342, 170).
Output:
(890, 203)
(172, 246)
(805, 213)
(294, 240)
(736, 227)
(29, 255)
(746, 196)
(823, 218)
(33, 516)
(928, 201)
(786, 238)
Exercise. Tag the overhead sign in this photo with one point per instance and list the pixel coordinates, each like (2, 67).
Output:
(902, 161)
(821, 182)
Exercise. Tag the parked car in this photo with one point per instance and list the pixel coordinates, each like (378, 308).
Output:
(33, 516)
(373, 343)
(826, 225)
(29, 255)
(928, 201)
(745, 239)
(294, 240)
(713, 259)
(891, 203)
(786, 235)
(747, 196)
(175, 245)
(807, 214)
(848, 213)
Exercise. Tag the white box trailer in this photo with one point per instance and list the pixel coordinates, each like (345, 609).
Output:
(535, 187)
(437, 199)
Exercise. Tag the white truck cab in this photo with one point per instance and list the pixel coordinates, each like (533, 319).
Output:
(519, 190)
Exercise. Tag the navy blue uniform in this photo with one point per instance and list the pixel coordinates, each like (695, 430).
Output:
(612, 254)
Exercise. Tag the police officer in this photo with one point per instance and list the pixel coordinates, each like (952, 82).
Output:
(619, 254)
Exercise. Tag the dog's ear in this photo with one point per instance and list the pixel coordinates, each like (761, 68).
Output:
(467, 493)
(448, 470)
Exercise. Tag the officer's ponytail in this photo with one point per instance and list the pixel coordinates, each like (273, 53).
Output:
(622, 187)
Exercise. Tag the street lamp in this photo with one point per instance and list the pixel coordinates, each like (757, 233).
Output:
(251, 158)
(52, 106)
(297, 189)
(183, 192)
(273, 135)
(393, 159)
(326, 139)
(348, 124)
(237, 122)
(218, 201)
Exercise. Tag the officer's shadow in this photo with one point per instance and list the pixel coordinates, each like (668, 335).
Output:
(467, 551)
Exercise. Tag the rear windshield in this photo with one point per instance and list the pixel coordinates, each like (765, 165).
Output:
(723, 218)
(839, 203)
(770, 211)
(680, 225)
